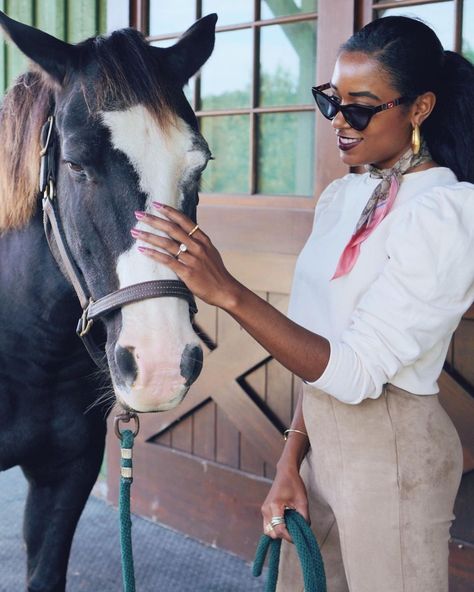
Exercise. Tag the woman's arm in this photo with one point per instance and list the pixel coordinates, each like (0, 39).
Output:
(288, 489)
(202, 270)
(297, 444)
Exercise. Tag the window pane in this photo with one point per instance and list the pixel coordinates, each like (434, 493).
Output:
(468, 30)
(273, 8)
(286, 153)
(439, 16)
(230, 12)
(171, 17)
(287, 63)
(227, 77)
(118, 14)
(228, 139)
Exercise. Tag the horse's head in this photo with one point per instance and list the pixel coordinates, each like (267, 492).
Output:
(126, 137)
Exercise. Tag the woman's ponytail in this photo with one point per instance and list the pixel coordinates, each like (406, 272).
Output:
(449, 130)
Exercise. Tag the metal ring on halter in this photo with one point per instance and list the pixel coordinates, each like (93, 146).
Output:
(126, 417)
(193, 230)
(182, 249)
(85, 323)
(49, 191)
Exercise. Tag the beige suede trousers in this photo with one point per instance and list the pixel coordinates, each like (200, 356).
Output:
(382, 478)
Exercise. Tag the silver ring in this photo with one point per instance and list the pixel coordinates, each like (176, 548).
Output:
(182, 249)
(276, 520)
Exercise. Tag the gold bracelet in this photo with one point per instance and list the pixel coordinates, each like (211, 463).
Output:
(287, 432)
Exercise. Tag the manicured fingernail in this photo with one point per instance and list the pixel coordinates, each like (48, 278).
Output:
(142, 249)
(135, 233)
(139, 215)
(157, 204)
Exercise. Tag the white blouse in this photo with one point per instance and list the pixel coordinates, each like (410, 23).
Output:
(391, 318)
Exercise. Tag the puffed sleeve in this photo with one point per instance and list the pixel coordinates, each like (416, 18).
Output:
(326, 215)
(417, 300)
(329, 194)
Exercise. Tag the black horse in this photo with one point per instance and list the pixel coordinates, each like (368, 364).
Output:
(123, 136)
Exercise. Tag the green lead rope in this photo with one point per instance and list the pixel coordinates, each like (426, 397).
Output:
(126, 478)
(308, 552)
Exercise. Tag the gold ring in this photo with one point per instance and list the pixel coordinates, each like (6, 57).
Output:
(268, 528)
(182, 249)
(193, 230)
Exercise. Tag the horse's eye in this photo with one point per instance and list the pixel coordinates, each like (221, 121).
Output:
(76, 168)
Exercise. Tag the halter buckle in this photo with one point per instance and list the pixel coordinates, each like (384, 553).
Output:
(84, 325)
(49, 192)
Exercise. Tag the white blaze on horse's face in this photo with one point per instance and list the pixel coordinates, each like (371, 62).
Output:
(157, 332)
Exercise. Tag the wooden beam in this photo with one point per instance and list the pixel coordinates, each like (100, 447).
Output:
(139, 13)
(335, 25)
(233, 358)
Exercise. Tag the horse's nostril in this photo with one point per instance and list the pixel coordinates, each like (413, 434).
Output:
(126, 364)
(191, 363)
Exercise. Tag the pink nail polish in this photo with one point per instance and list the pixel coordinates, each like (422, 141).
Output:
(142, 249)
(139, 215)
(135, 233)
(157, 204)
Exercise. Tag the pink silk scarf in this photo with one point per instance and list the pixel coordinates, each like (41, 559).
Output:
(379, 205)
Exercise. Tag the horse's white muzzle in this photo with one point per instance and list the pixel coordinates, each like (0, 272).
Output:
(157, 356)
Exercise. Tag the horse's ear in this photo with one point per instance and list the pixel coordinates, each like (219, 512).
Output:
(52, 55)
(193, 48)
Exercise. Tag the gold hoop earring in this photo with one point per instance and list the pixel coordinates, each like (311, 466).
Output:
(416, 139)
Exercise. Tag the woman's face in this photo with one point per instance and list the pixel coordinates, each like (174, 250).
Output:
(358, 78)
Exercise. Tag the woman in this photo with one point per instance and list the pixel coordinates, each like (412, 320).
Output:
(379, 288)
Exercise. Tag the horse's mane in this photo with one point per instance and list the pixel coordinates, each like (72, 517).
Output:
(25, 108)
(127, 74)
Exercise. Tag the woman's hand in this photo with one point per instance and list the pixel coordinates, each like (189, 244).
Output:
(287, 491)
(189, 252)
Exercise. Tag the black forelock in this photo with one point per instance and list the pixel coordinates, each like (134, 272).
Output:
(121, 70)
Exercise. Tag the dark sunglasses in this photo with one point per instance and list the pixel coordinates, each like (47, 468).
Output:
(357, 116)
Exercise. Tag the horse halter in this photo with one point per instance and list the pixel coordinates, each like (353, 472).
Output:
(92, 310)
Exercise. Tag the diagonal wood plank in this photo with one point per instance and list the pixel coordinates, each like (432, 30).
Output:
(152, 424)
(220, 366)
(233, 358)
(249, 420)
